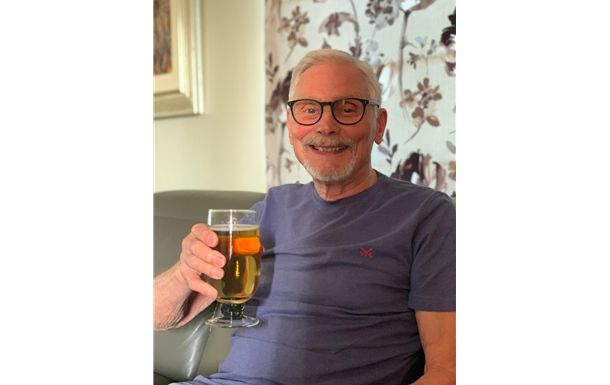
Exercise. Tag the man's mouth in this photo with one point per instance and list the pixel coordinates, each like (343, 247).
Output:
(328, 149)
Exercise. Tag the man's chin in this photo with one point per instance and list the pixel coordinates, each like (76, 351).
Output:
(330, 176)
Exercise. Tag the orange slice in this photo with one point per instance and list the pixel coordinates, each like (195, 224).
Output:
(247, 245)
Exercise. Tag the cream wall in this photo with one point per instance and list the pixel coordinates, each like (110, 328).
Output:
(224, 149)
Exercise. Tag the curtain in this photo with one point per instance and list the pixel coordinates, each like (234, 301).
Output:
(411, 46)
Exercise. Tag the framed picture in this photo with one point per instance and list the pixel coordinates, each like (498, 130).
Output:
(178, 58)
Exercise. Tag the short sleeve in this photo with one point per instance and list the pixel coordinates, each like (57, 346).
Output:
(259, 207)
(432, 285)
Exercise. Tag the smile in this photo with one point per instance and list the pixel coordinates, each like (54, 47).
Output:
(334, 149)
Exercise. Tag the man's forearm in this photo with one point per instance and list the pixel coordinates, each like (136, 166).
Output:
(170, 299)
(436, 376)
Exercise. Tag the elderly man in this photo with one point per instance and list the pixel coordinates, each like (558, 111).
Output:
(358, 270)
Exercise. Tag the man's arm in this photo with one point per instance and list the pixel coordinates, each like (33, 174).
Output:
(170, 299)
(180, 293)
(437, 333)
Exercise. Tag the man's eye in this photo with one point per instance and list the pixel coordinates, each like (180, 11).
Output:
(308, 109)
(348, 108)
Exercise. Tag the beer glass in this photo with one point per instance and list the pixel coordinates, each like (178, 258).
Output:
(239, 242)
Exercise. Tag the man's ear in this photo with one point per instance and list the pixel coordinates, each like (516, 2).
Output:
(290, 137)
(382, 119)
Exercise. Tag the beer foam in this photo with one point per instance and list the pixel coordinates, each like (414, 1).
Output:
(236, 227)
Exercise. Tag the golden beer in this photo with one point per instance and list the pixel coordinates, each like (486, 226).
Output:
(240, 244)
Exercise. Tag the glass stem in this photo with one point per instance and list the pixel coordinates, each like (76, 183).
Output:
(232, 310)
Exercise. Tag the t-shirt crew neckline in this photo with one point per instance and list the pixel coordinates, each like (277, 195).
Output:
(362, 195)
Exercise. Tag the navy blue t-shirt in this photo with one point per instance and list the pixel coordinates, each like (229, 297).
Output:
(340, 283)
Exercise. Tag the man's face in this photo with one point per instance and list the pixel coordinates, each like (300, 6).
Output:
(330, 151)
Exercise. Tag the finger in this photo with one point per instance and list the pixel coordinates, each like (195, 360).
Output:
(200, 266)
(204, 234)
(193, 247)
(195, 283)
(202, 251)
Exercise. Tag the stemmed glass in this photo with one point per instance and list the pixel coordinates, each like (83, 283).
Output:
(239, 242)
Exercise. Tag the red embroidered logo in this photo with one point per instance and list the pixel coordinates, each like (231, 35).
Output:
(367, 252)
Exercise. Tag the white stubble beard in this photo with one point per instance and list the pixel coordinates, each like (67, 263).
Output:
(334, 176)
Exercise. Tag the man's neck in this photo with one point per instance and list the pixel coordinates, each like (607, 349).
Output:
(334, 191)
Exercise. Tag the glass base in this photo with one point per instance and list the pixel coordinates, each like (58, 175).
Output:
(222, 322)
(232, 317)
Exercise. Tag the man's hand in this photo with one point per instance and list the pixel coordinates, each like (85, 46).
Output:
(180, 293)
(198, 258)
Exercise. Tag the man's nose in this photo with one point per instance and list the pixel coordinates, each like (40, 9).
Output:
(327, 124)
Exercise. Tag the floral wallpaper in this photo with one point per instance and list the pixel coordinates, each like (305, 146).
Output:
(411, 46)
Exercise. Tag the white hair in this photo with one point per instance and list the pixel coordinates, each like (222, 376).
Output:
(332, 55)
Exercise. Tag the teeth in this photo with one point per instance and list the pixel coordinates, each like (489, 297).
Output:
(328, 149)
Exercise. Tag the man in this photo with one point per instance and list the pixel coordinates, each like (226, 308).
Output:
(359, 269)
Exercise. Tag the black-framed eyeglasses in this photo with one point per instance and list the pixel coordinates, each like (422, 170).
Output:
(348, 111)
